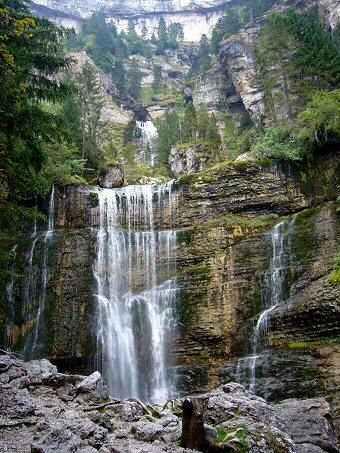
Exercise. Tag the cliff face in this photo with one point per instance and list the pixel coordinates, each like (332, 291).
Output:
(197, 17)
(224, 219)
(236, 57)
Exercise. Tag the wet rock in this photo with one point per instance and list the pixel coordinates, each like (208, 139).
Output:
(309, 422)
(55, 438)
(113, 177)
(40, 370)
(147, 431)
(93, 388)
(16, 403)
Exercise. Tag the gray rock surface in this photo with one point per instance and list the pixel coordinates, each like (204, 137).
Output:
(35, 419)
(114, 177)
(309, 422)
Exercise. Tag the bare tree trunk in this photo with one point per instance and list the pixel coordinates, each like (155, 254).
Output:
(193, 431)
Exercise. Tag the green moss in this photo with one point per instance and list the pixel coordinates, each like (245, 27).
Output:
(274, 443)
(334, 277)
(242, 445)
(264, 162)
(201, 272)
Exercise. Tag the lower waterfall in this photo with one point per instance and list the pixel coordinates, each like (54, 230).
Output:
(136, 292)
(273, 282)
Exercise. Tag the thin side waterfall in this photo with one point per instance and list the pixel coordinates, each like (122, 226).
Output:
(47, 238)
(136, 292)
(11, 303)
(272, 294)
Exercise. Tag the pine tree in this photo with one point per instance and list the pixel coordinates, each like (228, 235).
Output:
(162, 40)
(190, 123)
(157, 78)
(134, 78)
(91, 104)
(175, 34)
(32, 56)
(119, 74)
(203, 59)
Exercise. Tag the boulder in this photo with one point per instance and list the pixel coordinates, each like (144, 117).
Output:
(114, 177)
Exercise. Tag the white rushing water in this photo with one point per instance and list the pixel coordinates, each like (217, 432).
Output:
(272, 294)
(136, 292)
(147, 134)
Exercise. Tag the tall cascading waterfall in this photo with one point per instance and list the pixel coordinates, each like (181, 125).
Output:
(136, 291)
(146, 133)
(273, 282)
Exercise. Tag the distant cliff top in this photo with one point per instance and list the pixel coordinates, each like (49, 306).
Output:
(84, 8)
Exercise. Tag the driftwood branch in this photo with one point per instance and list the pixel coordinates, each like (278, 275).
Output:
(14, 355)
(116, 401)
(17, 424)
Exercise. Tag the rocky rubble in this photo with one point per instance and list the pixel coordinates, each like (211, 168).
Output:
(43, 411)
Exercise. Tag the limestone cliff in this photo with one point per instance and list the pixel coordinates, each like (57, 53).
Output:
(197, 17)
(236, 57)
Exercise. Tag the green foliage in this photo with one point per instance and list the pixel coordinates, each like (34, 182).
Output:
(297, 52)
(134, 79)
(190, 123)
(276, 142)
(91, 103)
(236, 17)
(157, 78)
(169, 133)
(321, 118)
(162, 40)
(334, 277)
(32, 55)
(167, 37)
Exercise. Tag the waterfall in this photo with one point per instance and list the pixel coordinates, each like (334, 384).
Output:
(146, 133)
(8, 335)
(136, 291)
(273, 282)
(42, 299)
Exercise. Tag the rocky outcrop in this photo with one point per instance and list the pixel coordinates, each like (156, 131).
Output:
(187, 160)
(117, 105)
(113, 177)
(215, 92)
(43, 411)
(236, 58)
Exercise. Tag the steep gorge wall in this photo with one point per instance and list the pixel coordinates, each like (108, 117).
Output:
(197, 17)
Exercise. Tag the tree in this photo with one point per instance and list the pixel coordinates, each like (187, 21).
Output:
(162, 34)
(204, 50)
(157, 78)
(190, 123)
(175, 34)
(169, 133)
(119, 74)
(134, 78)
(226, 26)
(212, 131)
(91, 104)
(295, 57)
(32, 56)
(321, 118)
(203, 120)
